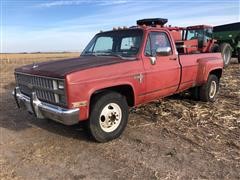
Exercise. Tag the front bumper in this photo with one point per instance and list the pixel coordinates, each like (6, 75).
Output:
(45, 110)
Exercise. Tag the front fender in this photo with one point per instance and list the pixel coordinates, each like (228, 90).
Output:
(83, 98)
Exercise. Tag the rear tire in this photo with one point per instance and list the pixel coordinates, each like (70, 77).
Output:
(194, 92)
(108, 117)
(209, 90)
(226, 51)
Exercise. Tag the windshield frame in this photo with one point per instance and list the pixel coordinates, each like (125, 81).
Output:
(129, 33)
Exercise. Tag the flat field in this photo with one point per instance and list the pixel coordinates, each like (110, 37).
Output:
(170, 138)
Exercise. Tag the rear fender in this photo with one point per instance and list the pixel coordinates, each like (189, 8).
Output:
(206, 66)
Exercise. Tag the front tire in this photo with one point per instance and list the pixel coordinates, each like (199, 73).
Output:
(108, 117)
(209, 90)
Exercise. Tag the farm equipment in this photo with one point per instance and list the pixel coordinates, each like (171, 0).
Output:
(194, 39)
(204, 38)
(228, 37)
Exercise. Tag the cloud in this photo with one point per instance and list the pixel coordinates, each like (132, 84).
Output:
(80, 2)
(107, 3)
(61, 3)
(123, 15)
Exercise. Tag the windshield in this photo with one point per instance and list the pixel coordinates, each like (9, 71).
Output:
(121, 43)
(194, 34)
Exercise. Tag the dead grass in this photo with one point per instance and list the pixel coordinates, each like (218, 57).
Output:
(9, 62)
(37, 56)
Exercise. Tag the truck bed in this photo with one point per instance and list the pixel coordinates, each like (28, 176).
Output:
(192, 66)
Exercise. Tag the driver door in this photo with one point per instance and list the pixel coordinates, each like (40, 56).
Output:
(163, 77)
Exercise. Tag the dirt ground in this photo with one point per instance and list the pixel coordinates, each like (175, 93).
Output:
(172, 138)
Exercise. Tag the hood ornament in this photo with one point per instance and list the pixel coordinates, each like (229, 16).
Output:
(35, 66)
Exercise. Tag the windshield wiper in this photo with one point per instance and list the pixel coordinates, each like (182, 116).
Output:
(124, 57)
(88, 54)
(111, 54)
(96, 54)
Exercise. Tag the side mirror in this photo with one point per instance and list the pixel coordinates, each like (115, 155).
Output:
(163, 51)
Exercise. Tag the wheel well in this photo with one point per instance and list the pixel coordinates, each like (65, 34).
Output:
(125, 90)
(217, 72)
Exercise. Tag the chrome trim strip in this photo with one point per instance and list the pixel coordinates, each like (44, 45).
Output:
(47, 77)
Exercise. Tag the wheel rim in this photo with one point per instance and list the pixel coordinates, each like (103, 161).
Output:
(110, 117)
(213, 89)
(227, 55)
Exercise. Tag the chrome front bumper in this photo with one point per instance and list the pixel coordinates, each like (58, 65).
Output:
(45, 110)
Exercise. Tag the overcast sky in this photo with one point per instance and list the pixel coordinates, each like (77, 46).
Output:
(68, 25)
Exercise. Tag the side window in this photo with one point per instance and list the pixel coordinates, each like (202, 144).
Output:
(208, 34)
(103, 44)
(191, 34)
(194, 34)
(156, 40)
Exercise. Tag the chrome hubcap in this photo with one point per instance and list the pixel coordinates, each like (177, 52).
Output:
(110, 117)
(213, 89)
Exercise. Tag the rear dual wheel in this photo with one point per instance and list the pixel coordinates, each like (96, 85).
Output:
(208, 91)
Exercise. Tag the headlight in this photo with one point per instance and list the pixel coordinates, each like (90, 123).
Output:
(59, 91)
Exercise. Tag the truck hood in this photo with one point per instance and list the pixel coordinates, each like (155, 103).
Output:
(60, 68)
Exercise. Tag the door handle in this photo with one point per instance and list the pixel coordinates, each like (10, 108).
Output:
(172, 58)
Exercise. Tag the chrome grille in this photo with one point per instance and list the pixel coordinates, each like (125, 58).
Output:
(46, 88)
(42, 82)
(45, 95)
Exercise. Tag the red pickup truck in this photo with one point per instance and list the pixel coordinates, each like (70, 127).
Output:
(118, 69)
